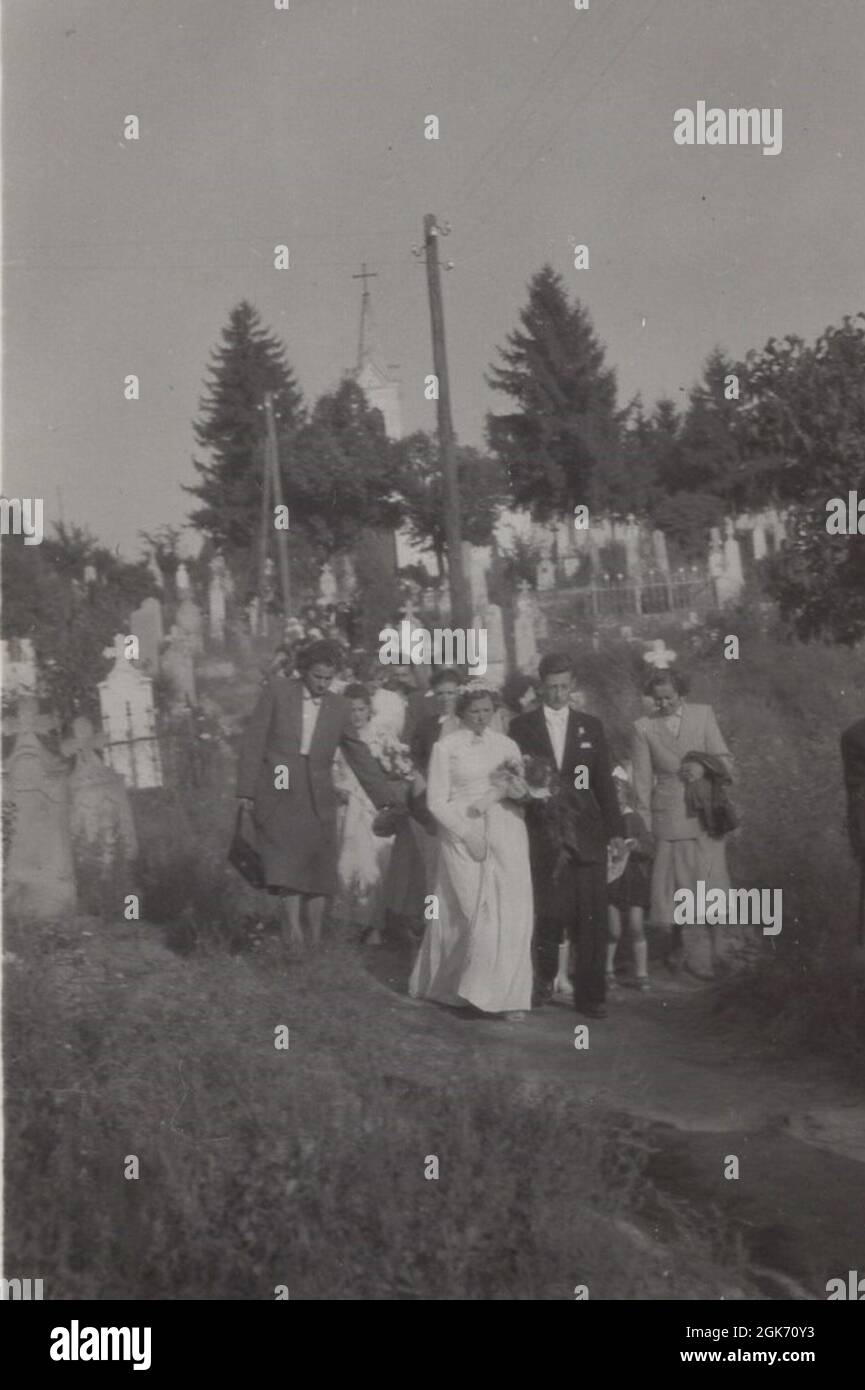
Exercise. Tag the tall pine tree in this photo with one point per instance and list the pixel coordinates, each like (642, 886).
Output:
(565, 425)
(249, 362)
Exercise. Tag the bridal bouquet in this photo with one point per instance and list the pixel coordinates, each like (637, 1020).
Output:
(518, 779)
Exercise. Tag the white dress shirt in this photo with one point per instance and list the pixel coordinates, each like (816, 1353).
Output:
(557, 728)
(309, 719)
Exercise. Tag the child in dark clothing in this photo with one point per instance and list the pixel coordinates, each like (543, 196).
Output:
(629, 881)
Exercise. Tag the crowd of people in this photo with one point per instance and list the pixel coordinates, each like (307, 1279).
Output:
(492, 830)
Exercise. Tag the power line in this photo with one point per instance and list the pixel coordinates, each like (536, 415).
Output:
(631, 35)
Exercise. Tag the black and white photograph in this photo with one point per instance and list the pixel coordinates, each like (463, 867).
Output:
(433, 666)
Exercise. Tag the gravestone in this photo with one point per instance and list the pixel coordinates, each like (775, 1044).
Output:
(20, 676)
(546, 575)
(100, 816)
(178, 663)
(190, 623)
(631, 540)
(659, 552)
(758, 538)
(490, 618)
(659, 656)
(182, 581)
(730, 580)
(571, 566)
(216, 595)
(153, 566)
(525, 636)
(146, 624)
(39, 870)
(328, 589)
(476, 563)
(129, 721)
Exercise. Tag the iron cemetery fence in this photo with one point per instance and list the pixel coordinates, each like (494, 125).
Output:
(614, 596)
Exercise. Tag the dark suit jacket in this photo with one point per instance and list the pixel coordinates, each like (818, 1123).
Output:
(273, 735)
(423, 739)
(853, 759)
(595, 808)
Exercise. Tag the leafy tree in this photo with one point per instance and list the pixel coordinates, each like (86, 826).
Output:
(709, 457)
(805, 423)
(164, 542)
(564, 430)
(340, 478)
(420, 484)
(249, 363)
(69, 623)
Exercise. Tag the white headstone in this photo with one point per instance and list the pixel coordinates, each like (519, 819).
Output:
(659, 551)
(525, 635)
(181, 579)
(189, 621)
(153, 566)
(129, 722)
(100, 814)
(146, 624)
(490, 620)
(178, 664)
(758, 537)
(19, 666)
(39, 870)
(216, 596)
(732, 579)
(659, 655)
(328, 589)
(631, 539)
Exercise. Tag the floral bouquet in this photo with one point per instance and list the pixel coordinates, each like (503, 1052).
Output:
(395, 761)
(517, 779)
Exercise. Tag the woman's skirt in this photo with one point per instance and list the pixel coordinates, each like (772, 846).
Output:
(298, 848)
(683, 864)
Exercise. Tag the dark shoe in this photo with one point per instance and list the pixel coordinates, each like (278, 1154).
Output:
(541, 995)
(592, 1010)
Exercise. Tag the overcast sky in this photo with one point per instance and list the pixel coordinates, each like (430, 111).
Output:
(261, 126)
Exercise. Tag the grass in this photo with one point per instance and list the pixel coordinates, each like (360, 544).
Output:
(305, 1168)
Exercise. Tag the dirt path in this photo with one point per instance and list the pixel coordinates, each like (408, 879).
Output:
(796, 1129)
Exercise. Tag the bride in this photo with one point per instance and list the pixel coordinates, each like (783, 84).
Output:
(478, 949)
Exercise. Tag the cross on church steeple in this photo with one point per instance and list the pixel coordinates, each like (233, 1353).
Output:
(364, 310)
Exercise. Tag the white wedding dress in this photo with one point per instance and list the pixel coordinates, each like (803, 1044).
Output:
(479, 950)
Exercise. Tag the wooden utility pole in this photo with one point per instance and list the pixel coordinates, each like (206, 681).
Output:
(266, 514)
(276, 486)
(460, 605)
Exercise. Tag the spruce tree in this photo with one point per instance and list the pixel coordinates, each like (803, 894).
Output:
(565, 428)
(248, 363)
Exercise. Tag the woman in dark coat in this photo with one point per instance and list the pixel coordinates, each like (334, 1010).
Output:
(285, 779)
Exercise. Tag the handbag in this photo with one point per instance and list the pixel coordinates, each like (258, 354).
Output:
(243, 853)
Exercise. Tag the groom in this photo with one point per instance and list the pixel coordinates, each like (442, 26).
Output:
(570, 904)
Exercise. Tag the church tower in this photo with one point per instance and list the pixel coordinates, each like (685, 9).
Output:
(370, 373)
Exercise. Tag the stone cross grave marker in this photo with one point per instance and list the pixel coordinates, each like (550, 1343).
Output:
(129, 721)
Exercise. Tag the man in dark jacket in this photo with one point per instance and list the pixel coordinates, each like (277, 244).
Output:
(570, 891)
